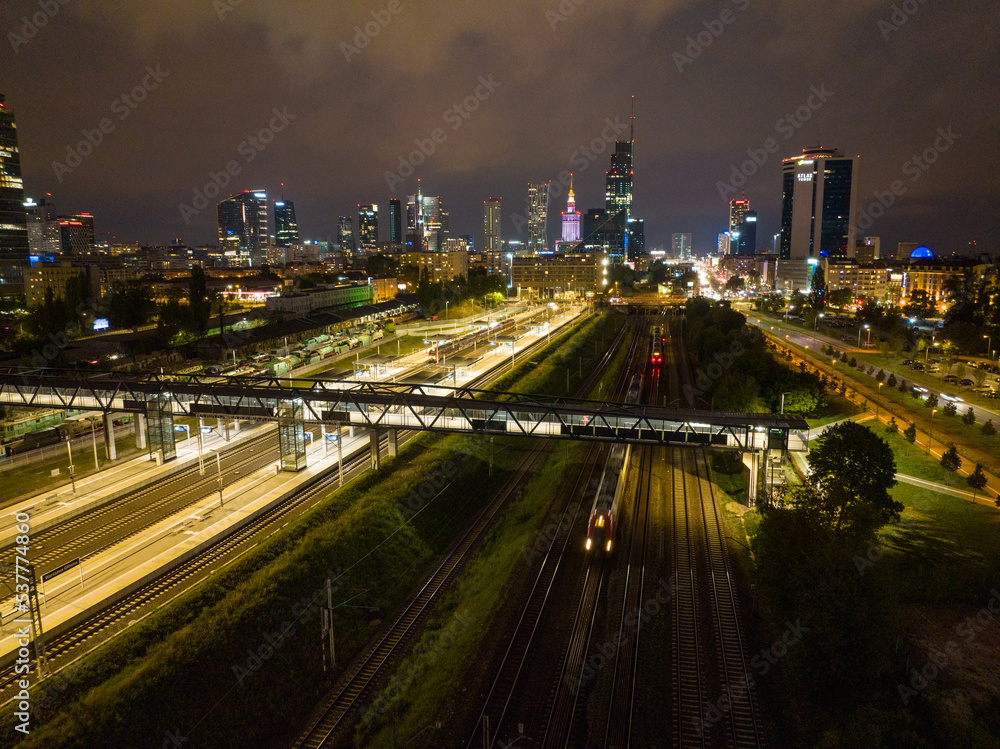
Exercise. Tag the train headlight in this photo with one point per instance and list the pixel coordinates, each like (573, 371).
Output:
(609, 546)
(588, 544)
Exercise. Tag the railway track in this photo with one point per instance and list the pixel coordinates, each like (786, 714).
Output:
(366, 671)
(98, 529)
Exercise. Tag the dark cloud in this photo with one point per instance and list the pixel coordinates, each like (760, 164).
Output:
(365, 85)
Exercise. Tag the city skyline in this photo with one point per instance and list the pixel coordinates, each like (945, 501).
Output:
(868, 84)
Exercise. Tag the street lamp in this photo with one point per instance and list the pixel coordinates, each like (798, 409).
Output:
(989, 341)
(816, 320)
(859, 334)
(783, 401)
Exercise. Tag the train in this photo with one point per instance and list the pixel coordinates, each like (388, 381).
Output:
(438, 351)
(603, 514)
(657, 356)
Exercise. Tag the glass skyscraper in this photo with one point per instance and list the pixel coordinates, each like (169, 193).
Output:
(13, 217)
(395, 221)
(286, 229)
(819, 203)
(368, 227)
(243, 227)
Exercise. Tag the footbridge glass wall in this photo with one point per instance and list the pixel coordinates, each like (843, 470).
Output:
(291, 435)
(160, 426)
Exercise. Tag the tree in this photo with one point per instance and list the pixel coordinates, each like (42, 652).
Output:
(853, 469)
(932, 401)
(735, 283)
(130, 304)
(950, 409)
(960, 370)
(950, 460)
(977, 480)
(880, 377)
(853, 363)
(891, 382)
(988, 429)
(892, 427)
(979, 377)
(910, 433)
(903, 387)
(843, 356)
(969, 417)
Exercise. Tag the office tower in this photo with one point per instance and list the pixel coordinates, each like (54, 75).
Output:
(13, 219)
(538, 211)
(594, 231)
(635, 239)
(819, 204)
(345, 235)
(44, 235)
(618, 192)
(368, 227)
(395, 221)
(868, 250)
(680, 245)
(87, 221)
(243, 227)
(74, 238)
(571, 217)
(286, 228)
(492, 209)
(743, 234)
(737, 210)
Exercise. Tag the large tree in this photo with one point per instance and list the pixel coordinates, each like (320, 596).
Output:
(853, 470)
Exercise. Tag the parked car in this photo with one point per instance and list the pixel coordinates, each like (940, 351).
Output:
(950, 378)
(967, 382)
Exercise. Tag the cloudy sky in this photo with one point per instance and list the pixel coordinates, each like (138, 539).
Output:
(328, 103)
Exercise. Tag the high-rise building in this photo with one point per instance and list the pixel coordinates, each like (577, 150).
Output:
(243, 227)
(635, 239)
(743, 234)
(819, 204)
(345, 235)
(618, 195)
(737, 210)
(86, 220)
(492, 209)
(44, 235)
(680, 245)
(538, 211)
(286, 228)
(74, 237)
(868, 250)
(395, 221)
(368, 227)
(13, 218)
(571, 217)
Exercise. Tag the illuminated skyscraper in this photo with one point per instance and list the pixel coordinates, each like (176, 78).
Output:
(286, 228)
(742, 228)
(345, 235)
(681, 245)
(571, 217)
(618, 194)
(491, 224)
(368, 227)
(243, 227)
(13, 219)
(737, 209)
(819, 204)
(538, 212)
(395, 221)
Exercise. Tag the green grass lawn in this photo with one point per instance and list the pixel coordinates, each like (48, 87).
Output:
(836, 408)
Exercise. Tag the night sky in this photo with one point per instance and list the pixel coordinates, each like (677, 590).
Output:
(545, 79)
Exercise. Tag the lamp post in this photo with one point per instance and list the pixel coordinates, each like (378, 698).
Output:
(816, 320)
(865, 327)
(989, 341)
(783, 401)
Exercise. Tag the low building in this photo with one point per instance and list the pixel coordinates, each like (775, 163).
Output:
(866, 280)
(438, 266)
(559, 276)
(55, 276)
(324, 297)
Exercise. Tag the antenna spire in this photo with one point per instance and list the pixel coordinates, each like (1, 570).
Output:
(631, 132)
